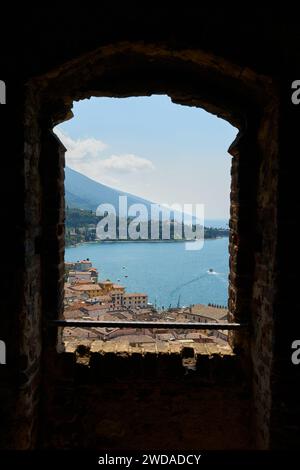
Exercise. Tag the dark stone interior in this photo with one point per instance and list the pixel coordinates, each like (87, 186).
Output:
(239, 67)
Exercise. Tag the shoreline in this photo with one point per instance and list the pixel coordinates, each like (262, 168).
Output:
(100, 242)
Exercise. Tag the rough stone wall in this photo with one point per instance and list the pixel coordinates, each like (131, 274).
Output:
(265, 273)
(285, 376)
(52, 163)
(30, 316)
(145, 400)
(21, 298)
(237, 99)
(231, 78)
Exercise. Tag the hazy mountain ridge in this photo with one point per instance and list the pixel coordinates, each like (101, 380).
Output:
(84, 193)
(81, 192)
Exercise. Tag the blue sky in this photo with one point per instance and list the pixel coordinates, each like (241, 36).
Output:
(155, 149)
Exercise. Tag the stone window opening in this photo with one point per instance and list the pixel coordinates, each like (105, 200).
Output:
(187, 79)
(177, 334)
(191, 77)
(221, 93)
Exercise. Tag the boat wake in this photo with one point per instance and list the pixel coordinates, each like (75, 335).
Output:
(195, 279)
(211, 271)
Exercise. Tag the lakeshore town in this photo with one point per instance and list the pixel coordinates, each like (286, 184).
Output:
(89, 298)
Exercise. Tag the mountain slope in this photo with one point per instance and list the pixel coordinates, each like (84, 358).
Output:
(84, 193)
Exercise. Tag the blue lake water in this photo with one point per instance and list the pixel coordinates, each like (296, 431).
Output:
(167, 272)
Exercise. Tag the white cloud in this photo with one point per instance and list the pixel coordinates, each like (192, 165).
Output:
(86, 156)
(127, 163)
(79, 149)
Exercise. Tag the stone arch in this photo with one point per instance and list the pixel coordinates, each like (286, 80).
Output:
(189, 77)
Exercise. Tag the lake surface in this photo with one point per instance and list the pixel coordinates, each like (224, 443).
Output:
(166, 271)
